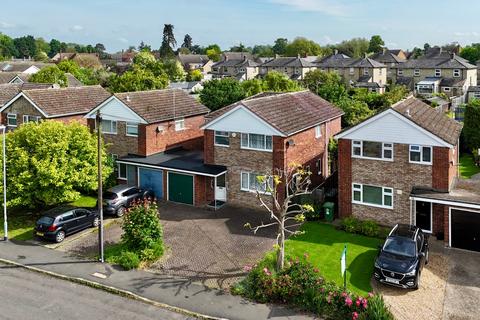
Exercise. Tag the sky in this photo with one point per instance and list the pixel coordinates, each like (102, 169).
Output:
(122, 23)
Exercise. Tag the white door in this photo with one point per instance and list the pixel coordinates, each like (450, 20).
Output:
(220, 188)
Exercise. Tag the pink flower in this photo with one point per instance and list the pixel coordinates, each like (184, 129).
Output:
(344, 294)
(268, 273)
(247, 268)
(305, 255)
(364, 303)
(358, 302)
(354, 315)
(315, 270)
(348, 301)
(371, 294)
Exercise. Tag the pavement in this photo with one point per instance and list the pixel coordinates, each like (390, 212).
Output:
(173, 293)
(41, 296)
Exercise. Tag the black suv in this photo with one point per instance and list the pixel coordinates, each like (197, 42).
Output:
(117, 199)
(57, 223)
(402, 257)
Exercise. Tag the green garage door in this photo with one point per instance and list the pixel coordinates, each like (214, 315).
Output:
(180, 188)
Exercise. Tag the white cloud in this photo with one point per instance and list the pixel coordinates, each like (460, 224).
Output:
(6, 25)
(76, 28)
(123, 40)
(328, 7)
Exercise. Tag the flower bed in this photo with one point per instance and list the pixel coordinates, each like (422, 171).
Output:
(301, 285)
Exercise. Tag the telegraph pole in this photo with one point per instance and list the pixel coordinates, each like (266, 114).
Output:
(100, 191)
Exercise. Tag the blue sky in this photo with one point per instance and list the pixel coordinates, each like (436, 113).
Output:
(118, 24)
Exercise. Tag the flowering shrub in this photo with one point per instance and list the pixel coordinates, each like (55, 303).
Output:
(299, 284)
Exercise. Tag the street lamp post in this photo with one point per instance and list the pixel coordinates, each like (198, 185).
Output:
(100, 195)
(5, 224)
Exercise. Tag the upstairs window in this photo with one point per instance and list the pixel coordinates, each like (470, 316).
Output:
(12, 120)
(222, 138)
(420, 154)
(352, 71)
(179, 124)
(365, 71)
(109, 126)
(256, 142)
(400, 72)
(438, 72)
(318, 131)
(372, 150)
(416, 72)
(456, 73)
(132, 129)
(27, 118)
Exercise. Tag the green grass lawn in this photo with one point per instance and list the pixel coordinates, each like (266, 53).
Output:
(467, 166)
(22, 221)
(324, 245)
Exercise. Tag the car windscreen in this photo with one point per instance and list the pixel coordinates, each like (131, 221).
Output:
(46, 220)
(400, 246)
(109, 195)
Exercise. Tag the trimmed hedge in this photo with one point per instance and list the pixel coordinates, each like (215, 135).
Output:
(366, 227)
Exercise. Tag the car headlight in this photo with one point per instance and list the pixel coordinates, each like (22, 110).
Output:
(411, 273)
(377, 265)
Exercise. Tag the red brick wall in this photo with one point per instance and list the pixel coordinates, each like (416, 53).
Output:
(441, 168)
(344, 178)
(438, 218)
(151, 141)
(279, 162)
(79, 118)
(446, 225)
(200, 188)
(208, 147)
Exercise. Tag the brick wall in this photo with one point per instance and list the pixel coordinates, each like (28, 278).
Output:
(200, 190)
(438, 211)
(344, 178)
(441, 168)
(119, 143)
(208, 148)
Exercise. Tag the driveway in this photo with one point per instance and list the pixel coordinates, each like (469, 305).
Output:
(449, 289)
(205, 246)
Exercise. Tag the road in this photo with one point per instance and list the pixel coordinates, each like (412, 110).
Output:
(26, 295)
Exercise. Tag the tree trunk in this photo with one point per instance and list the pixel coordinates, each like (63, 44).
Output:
(281, 245)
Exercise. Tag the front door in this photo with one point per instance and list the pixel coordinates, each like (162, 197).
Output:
(220, 188)
(423, 216)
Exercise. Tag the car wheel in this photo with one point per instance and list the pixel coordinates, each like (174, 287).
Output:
(120, 212)
(417, 282)
(96, 222)
(426, 256)
(60, 236)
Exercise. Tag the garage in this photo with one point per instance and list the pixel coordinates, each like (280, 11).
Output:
(151, 179)
(465, 229)
(180, 188)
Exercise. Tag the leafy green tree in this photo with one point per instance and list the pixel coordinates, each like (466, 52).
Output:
(280, 46)
(395, 93)
(195, 75)
(304, 47)
(187, 42)
(55, 47)
(355, 111)
(240, 48)
(87, 76)
(99, 47)
(50, 163)
(137, 79)
(471, 125)
(278, 82)
(42, 45)
(174, 70)
(168, 42)
(426, 47)
(213, 52)
(7, 46)
(41, 56)
(252, 86)
(328, 85)
(25, 46)
(263, 51)
(376, 44)
(355, 48)
(218, 93)
(50, 74)
(471, 53)
(417, 52)
(144, 47)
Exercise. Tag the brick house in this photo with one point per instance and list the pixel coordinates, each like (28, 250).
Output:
(293, 67)
(401, 166)
(156, 137)
(60, 104)
(266, 133)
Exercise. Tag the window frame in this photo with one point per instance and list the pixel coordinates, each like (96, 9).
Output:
(458, 73)
(447, 89)
(318, 131)
(355, 144)
(399, 72)
(248, 147)
(420, 150)
(131, 124)
(217, 133)
(180, 122)
(119, 171)
(249, 175)
(111, 125)
(351, 71)
(416, 72)
(9, 117)
(438, 72)
(365, 72)
(386, 191)
(26, 118)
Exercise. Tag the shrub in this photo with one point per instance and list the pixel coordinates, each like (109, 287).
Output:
(351, 224)
(154, 252)
(369, 228)
(376, 310)
(128, 260)
(141, 226)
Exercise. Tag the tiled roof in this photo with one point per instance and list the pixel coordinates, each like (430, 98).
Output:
(366, 63)
(6, 77)
(287, 112)
(429, 119)
(474, 89)
(342, 61)
(452, 82)
(9, 66)
(288, 62)
(193, 58)
(72, 81)
(162, 105)
(387, 57)
(438, 60)
(10, 90)
(63, 101)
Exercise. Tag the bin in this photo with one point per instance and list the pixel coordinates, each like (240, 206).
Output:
(328, 209)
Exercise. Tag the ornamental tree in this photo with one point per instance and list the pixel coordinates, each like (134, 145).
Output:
(219, 93)
(471, 124)
(276, 193)
(50, 74)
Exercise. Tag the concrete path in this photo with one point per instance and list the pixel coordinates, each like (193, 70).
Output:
(173, 291)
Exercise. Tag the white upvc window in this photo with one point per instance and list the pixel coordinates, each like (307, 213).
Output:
(179, 124)
(457, 73)
(319, 166)
(446, 89)
(318, 131)
(109, 126)
(372, 150)
(374, 196)
(400, 72)
(420, 154)
(249, 182)
(12, 119)
(416, 72)
(222, 138)
(122, 171)
(28, 118)
(365, 71)
(131, 129)
(352, 71)
(476, 95)
(256, 142)
(438, 72)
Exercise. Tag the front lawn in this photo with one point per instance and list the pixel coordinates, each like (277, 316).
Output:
(467, 166)
(324, 245)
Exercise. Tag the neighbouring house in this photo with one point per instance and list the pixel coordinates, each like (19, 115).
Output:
(438, 71)
(190, 87)
(293, 67)
(13, 77)
(473, 92)
(89, 60)
(262, 135)
(399, 53)
(192, 62)
(401, 166)
(390, 58)
(61, 104)
(239, 65)
(158, 143)
(24, 67)
(357, 73)
(9, 90)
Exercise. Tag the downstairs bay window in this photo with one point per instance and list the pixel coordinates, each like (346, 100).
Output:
(372, 195)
